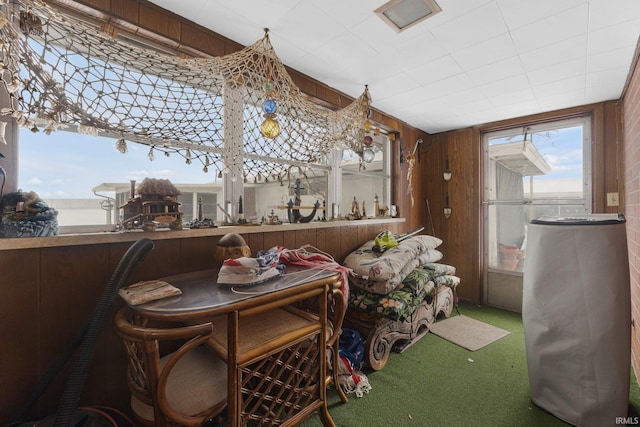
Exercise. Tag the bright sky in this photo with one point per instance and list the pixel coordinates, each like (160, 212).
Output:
(68, 165)
(562, 150)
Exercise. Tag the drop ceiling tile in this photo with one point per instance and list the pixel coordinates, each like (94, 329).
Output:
(605, 77)
(333, 51)
(562, 51)
(509, 98)
(448, 86)
(392, 86)
(603, 92)
(453, 9)
(347, 13)
(311, 34)
(463, 107)
(486, 52)
(548, 31)
(407, 99)
(373, 31)
(471, 28)
(506, 68)
(606, 60)
(465, 97)
(436, 70)
(188, 10)
(520, 13)
(624, 34)
(605, 13)
(564, 100)
(508, 85)
(555, 87)
(406, 50)
(407, 57)
(557, 72)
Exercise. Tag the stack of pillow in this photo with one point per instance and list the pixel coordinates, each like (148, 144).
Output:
(394, 283)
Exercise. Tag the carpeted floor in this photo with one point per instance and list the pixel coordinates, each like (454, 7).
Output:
(437, 383)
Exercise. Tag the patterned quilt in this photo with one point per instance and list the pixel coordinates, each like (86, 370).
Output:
(382, 273)
(401, 302)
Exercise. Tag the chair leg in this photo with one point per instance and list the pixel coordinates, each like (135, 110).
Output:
(335, 360)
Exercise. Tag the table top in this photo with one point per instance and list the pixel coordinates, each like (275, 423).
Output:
(201, 293)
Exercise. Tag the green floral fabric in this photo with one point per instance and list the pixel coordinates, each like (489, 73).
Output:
(448, 281)
(401, 302)
(436, 269)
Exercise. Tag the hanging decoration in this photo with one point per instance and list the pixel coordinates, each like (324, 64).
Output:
(61, 71)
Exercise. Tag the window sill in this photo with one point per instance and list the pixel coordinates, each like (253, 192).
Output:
(131, 236)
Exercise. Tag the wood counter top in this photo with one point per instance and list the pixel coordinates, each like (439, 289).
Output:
(131, 236)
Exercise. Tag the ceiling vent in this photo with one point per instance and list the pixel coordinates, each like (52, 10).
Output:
(403, 14)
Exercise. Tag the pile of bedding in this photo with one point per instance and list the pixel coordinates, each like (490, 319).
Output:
(394, 283)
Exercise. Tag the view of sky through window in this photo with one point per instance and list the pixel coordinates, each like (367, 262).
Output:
(68, 165)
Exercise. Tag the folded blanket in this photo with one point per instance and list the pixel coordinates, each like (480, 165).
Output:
(436, 269)
(448, 280)
(149, 290)
(251, 271)
(400, 303)
(381, 273)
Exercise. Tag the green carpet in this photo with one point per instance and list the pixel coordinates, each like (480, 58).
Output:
(437, 383)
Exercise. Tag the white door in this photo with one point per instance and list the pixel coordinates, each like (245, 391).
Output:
(531, 171)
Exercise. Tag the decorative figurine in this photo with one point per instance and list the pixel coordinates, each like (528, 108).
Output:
(355, 210)
(200, 222)
(293, 207)
(231, 245)
(154, 202)
(273, 219)
(376, 206)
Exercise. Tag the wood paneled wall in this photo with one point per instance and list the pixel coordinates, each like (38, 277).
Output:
(49, 293)
(460, 233)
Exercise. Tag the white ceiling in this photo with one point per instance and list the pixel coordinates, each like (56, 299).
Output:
(477, 61)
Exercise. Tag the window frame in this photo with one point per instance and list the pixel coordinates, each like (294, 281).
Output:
(585, 202)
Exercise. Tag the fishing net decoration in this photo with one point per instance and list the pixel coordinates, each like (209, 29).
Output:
(61, 71)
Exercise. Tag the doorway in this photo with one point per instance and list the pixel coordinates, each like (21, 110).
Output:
(529, 172)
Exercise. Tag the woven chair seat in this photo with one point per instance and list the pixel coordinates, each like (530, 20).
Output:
(196, 383)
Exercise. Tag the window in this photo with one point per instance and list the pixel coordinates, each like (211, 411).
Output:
(87, 180)
(541, 170)
(237, 116)
(367, 180)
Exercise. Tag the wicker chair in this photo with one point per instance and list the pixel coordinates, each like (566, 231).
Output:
(336, 309)
(185, 387)
(336, 312)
